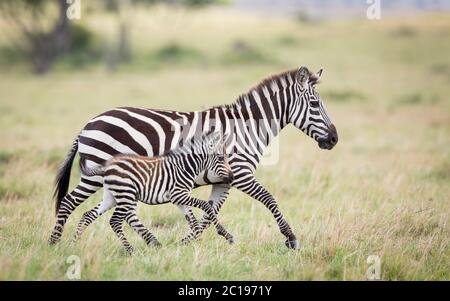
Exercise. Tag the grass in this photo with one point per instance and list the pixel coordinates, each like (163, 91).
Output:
(382, 191)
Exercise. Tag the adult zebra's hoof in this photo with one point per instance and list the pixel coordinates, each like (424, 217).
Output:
(292, 244)
(230, 241)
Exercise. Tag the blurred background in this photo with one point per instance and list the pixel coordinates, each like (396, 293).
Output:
(383, 190)
(47, 35)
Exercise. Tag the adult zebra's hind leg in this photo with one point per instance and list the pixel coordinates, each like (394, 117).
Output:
(90, 216)
(83, 191)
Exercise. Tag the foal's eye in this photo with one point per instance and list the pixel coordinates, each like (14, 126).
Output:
(221, 158)
(314, 103)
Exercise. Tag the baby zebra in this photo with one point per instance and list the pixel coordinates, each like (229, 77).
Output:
(157, 180)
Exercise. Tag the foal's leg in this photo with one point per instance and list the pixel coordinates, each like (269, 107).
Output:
(188, 200)
(189, 216)
(133, 220)
(116, 222)
(204, 224)
(207, 219)
(89, 216)
(219, 193)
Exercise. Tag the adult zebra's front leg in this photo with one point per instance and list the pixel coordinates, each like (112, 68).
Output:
(254, 189)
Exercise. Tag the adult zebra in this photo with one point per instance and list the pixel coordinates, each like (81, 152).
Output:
(250, 124)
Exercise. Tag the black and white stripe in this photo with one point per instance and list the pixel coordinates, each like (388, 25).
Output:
(250, 124)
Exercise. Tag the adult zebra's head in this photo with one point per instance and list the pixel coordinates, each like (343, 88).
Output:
(308, 112)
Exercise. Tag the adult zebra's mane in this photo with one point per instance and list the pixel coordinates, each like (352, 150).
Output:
(266, 82)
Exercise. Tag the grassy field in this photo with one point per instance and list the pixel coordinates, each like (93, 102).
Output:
(384, 190)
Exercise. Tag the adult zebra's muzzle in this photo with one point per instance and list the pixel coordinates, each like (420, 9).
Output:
(331, 140)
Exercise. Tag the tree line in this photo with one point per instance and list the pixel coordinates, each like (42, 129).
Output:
(46, 33)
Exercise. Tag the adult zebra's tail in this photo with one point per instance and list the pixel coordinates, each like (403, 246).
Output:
(63, 177)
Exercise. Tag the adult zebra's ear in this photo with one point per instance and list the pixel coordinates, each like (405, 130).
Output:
(303, 75)
(315, 78)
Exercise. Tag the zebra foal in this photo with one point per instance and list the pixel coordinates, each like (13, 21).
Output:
(157, 180)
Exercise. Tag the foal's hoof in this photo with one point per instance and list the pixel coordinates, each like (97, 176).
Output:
(53, 240)
(185, 241)
(231, 240)
(129, 250)
(292, 244)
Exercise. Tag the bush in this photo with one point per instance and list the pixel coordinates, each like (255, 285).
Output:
(404, 32)
(82, 38)
(186, 2)
(242, 52)
(175, 53)
(84, 50)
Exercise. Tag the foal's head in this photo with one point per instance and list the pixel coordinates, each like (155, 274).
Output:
(217, 162)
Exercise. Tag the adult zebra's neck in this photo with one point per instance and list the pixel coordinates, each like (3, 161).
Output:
(258, 116)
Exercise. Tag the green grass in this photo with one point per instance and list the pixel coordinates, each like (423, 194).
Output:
(382, 191)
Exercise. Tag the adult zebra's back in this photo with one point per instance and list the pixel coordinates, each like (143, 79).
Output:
(250, 124)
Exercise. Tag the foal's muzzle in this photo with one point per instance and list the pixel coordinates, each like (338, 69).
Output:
(229, 178)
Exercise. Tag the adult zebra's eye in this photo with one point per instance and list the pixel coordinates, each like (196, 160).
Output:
(314, 103)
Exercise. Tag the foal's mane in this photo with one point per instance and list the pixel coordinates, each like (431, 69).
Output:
(188, 145)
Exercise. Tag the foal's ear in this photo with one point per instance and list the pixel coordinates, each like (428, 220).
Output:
(215, 140)
(302, 77)
(225, 142)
